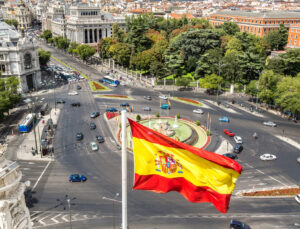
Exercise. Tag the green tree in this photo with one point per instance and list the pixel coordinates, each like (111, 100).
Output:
(278, 39)
(209, 61)
(144, 59)
(158, 69)
(85, 51)
(118, 33)
(44, 56)
(12, 22)
(211, 81)
(73, 48)
(120, 52)
(252, 88)
(46, 34)
(104, 46)
(268, 85)
(230, 28)
(183, 82)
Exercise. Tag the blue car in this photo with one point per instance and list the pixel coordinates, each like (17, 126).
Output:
(77, 178)
(165, 106)
(224, 119)
(112, 109)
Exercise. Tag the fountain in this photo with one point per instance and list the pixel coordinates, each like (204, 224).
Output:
(164, 128)
(175, 125)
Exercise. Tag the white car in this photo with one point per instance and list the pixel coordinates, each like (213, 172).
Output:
(269, 123)
(267, 157)
(297, 198)
(163, 97)
(238, 139)
(198, 111)
(94, 146)
(114, 85)
(73, 93)
(123, 83)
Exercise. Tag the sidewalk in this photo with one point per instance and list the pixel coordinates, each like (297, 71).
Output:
(24, 150)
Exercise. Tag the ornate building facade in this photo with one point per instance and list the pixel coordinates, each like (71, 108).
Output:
(19, 57)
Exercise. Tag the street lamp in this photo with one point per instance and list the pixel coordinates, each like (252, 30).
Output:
(113, 202)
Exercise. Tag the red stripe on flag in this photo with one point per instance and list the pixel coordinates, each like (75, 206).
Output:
(160, 184)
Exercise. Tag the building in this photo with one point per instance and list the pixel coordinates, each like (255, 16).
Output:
(19, 57)
(294, 36)
(13, 210)
(257, 23)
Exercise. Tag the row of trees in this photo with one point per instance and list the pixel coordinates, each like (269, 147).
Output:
(9, 95)
(12, 22)
(82, 50)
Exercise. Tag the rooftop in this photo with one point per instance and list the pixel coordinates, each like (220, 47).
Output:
(264, 14)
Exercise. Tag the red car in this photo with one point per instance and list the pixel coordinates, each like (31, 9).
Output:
(228, 132)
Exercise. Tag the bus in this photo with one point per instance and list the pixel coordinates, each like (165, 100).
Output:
(27, 123)
(111, 80)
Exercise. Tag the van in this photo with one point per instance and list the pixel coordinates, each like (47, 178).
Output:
(44, 109)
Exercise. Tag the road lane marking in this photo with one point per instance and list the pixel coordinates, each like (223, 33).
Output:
(54, 218)
(36, 183)
(271, 177)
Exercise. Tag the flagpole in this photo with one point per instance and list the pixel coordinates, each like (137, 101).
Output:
(124, 171)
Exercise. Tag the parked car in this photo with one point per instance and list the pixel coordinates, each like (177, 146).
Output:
(111, 109)
(267, 157)
(60, 101)
(238, 139)
(73, 93)
(77, 178)
(79, 136)
(99, 138)
(148, 97)
(163, 97)
(147, 108)
(94, 146)
(198, 111)
(224, 119)
(78, 87)
(75, 104)
(230, 155)
(124, 105)
(228, 132)
(95, 114)
(297, 198)
(237, 148)
(234, 224)
(269, 123)
(92, 126)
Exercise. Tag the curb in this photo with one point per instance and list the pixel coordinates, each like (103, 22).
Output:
(240, 193)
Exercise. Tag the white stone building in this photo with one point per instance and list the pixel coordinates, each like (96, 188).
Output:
(19, 57)
(13, 210)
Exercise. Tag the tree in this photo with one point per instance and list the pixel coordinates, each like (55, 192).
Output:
(46, 34)
(278, 39)
(230, 28)
(234, 44)
(120, 52)
(62, 43)
(118, 33)
(158, 69)
(104, 46)
(73, 48)
(44, 56)
(211, 81)
(12, 22)
(268, 85)
(183, 82)
(233, 66)
(85, 51)
(252, 88)
(209, 62)
(144, 59)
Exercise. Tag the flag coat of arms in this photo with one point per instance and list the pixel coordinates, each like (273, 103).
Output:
(163, 165)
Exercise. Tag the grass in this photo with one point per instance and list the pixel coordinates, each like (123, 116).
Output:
(187, 101)
(275, 192)
(63, 63)
(124, 97)
(95, 86)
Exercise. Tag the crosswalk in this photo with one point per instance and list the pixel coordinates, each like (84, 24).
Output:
(48, 218)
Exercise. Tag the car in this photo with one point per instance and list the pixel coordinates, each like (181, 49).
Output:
(100, 80)
(163, 97)
(269, 123)
(60, 101)
(238, 139)
(119, 147)
(75, 104)
(267, 157)
(148, 97)
(78, 87)
(94, 146)
(79, 136)
(230, 155)
(235, 224)
(147, 108)
(73, 93)
(114, 85)
(298, 160)
(237, 148)
(297, 198)
(95, 114)
(224, 119)
(111, 109)
(99, 138)
(228, 132)
(124, 105)
(165, 106)
(92, 126)
(77, 178)
(198, 111)
(123, 83)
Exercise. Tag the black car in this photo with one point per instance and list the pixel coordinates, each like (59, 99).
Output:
(237, 148)
(60, 101)
(95, 114)
(75, 104)
(124, 105)
(79, 136)
(78, 87)
(100, 139)
(92, 126)
(100, 80)
(234, 224)
(230, 155)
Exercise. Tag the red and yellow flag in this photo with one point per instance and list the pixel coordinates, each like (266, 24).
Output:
(163, 165)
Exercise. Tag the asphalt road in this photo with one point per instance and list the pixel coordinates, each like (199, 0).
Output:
(147, 209)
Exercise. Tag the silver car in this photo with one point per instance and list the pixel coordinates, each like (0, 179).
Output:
(94, 146)
(269, 123)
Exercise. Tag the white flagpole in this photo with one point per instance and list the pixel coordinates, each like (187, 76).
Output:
(124, 171)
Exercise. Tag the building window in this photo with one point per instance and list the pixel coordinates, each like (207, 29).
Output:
(2, 68)
(27, 61)
(1, 57)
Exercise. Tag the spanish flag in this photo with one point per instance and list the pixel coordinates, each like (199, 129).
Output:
(163, 165)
